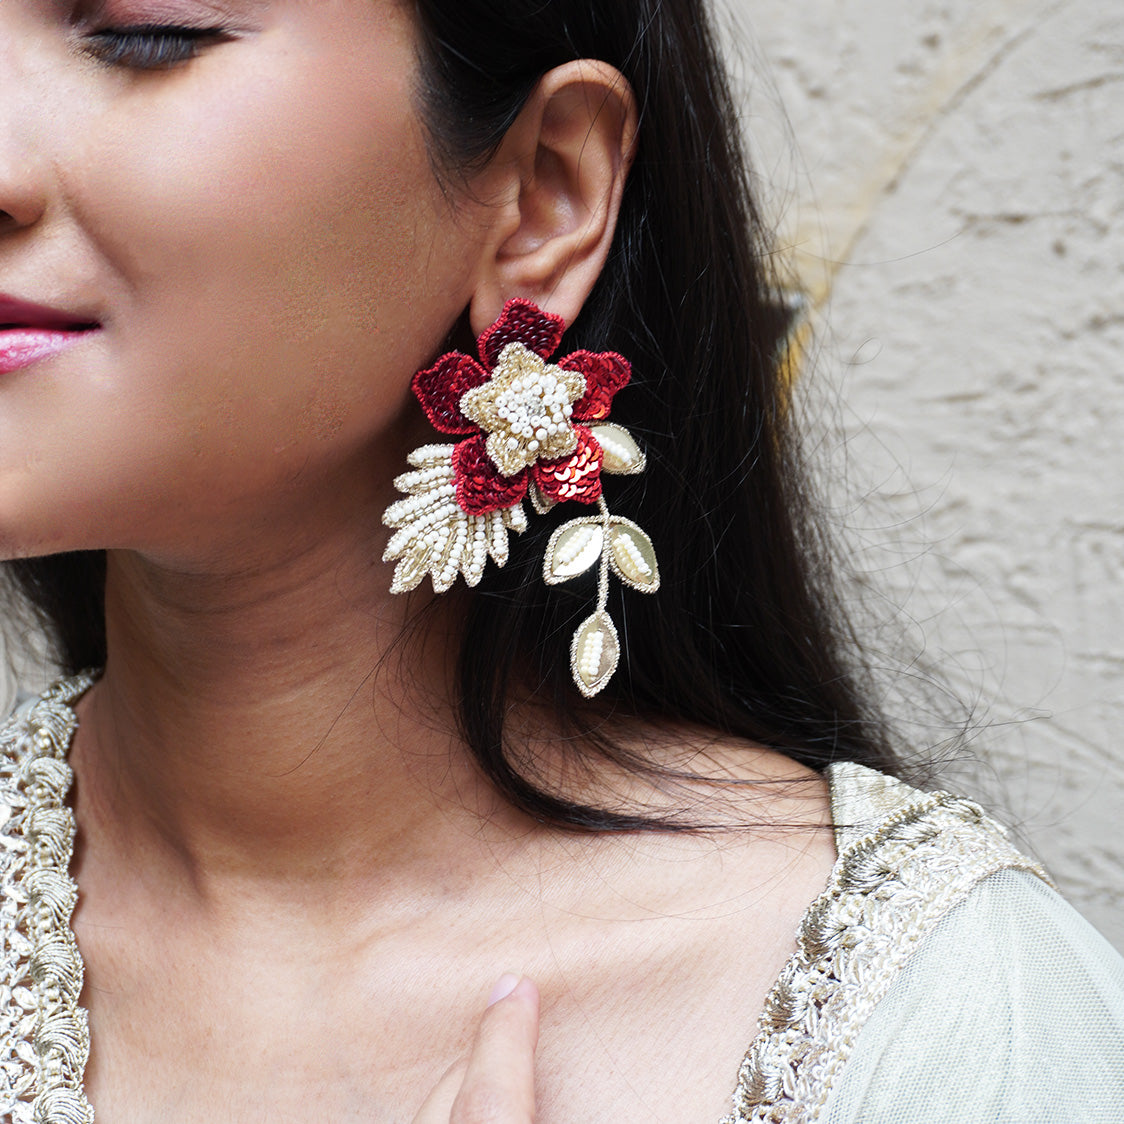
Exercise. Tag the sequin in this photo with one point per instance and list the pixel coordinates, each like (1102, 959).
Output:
(521, 322)
(576, 477)
(605, 373)
(440, 388)
(480, 488)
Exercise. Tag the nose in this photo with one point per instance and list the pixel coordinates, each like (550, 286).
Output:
(23, 187)
(22, 202)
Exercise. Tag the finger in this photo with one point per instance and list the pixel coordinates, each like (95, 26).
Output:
(499, 1084)
(438, 1105)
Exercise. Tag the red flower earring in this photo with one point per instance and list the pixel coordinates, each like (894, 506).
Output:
(529, 427)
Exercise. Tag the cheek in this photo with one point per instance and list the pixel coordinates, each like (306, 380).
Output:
(280, 261)
(291, 220)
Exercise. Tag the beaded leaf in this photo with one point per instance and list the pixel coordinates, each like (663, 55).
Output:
(622, 456)
(594, 653)
(632, 556)
(574, 547)
(435, 535)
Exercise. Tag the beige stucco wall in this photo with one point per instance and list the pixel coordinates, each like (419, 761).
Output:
(950, 184)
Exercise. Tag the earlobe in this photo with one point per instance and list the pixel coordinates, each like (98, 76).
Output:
(566, 159)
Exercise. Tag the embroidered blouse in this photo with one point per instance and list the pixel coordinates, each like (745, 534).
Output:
(937, 977)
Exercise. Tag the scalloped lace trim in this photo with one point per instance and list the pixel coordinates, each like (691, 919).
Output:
(44, 1036)
(918, 856)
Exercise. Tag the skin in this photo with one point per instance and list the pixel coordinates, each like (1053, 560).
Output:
(296, 889)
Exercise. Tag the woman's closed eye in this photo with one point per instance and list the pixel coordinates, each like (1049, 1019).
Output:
(150, 46)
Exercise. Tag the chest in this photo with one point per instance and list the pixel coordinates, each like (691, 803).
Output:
(635, 1026)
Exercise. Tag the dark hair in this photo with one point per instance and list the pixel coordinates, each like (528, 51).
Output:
(746, 635)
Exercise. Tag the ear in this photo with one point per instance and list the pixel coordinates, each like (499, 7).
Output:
(557, 182)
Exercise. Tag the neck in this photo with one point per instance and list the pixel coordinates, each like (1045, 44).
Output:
(274, 723)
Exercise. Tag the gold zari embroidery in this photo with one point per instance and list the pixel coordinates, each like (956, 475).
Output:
(918, 856)
(44, 1037)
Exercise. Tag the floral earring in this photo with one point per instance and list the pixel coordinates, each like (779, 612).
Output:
(529, 428)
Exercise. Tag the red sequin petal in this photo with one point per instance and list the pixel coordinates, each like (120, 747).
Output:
(605, 373)
(576, 477)
(521, 322)
(439, 389)
(480, 487)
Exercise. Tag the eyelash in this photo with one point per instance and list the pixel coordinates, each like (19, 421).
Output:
(150, 46)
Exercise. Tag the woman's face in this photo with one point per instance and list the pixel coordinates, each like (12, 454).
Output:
(248, 215)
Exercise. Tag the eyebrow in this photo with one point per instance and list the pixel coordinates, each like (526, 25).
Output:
(169, 10)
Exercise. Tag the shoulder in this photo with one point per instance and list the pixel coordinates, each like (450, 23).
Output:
(910, 865)
(1012, 1010)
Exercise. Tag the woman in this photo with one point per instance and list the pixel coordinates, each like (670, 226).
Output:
(317, 819)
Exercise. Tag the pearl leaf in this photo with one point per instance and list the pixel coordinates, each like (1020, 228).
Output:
(623, 457)
(632, 556)
(594, 653)
(573, 549)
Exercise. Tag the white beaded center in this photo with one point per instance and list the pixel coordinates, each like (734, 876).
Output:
(533, 409)
(525, 408)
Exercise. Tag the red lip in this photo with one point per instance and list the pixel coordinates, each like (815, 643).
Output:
(23, 314)
(30, 332)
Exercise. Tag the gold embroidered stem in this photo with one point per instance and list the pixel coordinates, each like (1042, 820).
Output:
(603, 571)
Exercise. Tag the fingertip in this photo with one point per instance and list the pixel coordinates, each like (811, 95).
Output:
(516, 998)
(504, 986)
(500, 1068)
(510, 986)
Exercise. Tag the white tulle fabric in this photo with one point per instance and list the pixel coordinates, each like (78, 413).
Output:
(1010, 1012)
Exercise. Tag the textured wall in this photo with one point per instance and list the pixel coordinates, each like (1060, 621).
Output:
(950, 184)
